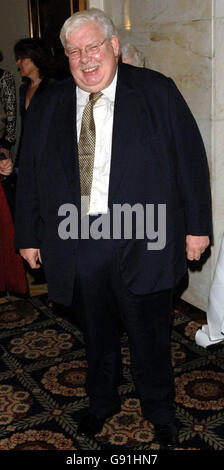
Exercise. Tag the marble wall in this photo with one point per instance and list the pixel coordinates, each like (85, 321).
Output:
(218, 124)
(184, 40)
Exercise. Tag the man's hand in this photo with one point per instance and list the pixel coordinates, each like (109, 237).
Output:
(31, 255)
(195, 246)
(6, 167)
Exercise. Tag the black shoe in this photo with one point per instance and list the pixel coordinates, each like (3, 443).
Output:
(91, 425)
(166, 435)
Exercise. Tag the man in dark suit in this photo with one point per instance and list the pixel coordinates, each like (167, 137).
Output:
(119, 137)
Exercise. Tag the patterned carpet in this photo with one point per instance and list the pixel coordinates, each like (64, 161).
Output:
(42, 393)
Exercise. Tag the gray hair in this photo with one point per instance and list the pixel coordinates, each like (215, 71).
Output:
(83, 17)
(132, 54)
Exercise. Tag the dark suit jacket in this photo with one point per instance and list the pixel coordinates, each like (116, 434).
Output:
(158, 157)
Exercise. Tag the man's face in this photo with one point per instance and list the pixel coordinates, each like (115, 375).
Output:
(92, 70)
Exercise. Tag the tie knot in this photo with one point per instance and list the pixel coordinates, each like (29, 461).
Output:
(95, 96)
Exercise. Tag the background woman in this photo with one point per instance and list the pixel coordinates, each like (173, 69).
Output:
(35, 63)
(12, 275)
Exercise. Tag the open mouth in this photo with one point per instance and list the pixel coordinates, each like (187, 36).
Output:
(90, 69)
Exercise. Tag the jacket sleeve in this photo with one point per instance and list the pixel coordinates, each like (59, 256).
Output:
(27, 214)
(192, 165)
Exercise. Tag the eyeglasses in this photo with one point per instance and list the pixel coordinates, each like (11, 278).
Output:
(90, 50)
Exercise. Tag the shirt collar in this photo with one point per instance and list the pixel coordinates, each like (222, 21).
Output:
(109, 92)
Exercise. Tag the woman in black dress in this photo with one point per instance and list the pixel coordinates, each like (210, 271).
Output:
(35, 63)
(36, 67)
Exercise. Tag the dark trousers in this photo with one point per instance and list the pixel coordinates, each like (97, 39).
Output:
(103, 299)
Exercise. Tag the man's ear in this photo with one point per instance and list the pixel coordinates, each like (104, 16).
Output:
(115, 45)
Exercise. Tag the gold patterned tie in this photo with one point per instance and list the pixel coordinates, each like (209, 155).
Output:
(86, 146)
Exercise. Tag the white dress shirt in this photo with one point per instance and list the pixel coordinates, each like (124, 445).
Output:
(103, 112)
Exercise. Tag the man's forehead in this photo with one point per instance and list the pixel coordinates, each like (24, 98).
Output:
(88, 32)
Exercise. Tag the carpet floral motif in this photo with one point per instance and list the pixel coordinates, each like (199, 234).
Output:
(36, 440)
(35, 345)
(14, 404)
(128, 428)
(202, 390)
(11, 318)
(67, 379)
